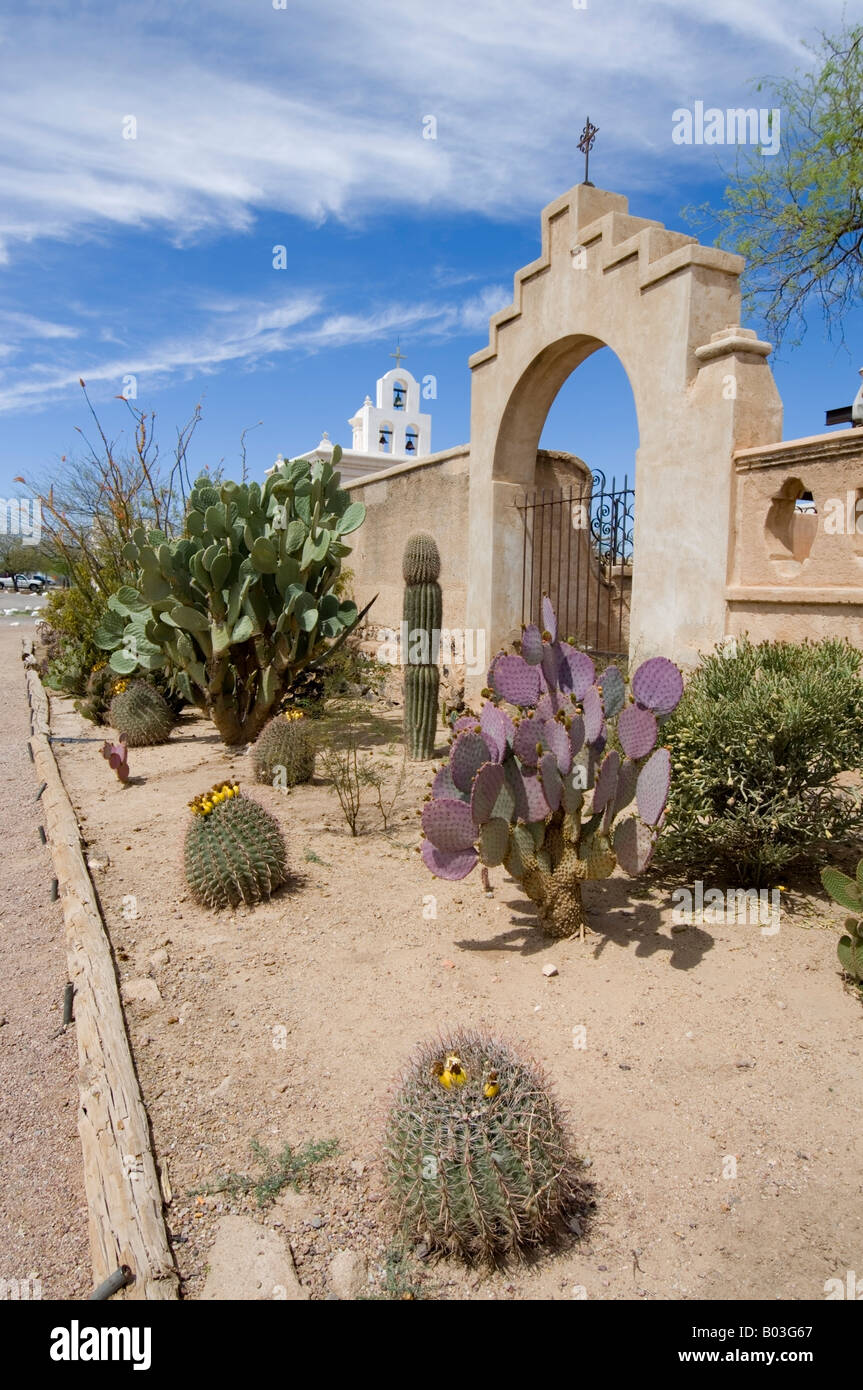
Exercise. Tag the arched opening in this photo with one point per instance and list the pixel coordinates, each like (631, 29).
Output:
(411, 438)
(385, 438)
(790, 528)
(577, 510)
(400, 395)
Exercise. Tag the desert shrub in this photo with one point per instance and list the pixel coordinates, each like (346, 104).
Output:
(757, 743)
(70, 619)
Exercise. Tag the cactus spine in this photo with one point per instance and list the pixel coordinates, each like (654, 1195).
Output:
(423, 606)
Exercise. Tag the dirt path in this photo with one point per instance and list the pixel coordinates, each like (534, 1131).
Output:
(43, 1214)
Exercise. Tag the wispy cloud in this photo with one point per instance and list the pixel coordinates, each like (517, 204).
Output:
(320, 112)
(237, 332)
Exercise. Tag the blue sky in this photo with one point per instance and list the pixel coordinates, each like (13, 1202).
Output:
(302, 126)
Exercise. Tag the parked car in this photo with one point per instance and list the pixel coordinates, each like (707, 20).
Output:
(26, 583)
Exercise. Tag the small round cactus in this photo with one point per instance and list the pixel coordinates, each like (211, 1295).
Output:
(140, 714)
(421, 559)
(477, 1153)
(284, 752)
(234, 850)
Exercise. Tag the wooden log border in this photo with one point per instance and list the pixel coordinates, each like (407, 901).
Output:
(124, 1199)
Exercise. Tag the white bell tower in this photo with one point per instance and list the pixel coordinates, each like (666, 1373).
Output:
(395, 425)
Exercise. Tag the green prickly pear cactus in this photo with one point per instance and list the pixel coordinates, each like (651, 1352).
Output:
(848, 892)
(423, 608)
(244, 601)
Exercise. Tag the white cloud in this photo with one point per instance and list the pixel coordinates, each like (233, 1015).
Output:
(244, 332)
(317, 109)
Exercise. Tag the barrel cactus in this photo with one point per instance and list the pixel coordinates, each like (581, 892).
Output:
(542, 790)
(140, 714)
(284, 753)
(421, 632)
(477, 1155)
(234, 610)
(234, 850)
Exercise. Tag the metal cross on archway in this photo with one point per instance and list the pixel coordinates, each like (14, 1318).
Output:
(585, 144)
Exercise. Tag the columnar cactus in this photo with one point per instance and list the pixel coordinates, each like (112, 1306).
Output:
(477, 1154)
(234, 850)
(284, 753)
(539, 790)
(421, 631)
(140, 714)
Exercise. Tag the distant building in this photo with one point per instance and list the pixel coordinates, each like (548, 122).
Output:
(394, 430)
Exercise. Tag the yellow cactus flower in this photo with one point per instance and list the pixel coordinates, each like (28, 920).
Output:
(492, 1086)
(453, 1073)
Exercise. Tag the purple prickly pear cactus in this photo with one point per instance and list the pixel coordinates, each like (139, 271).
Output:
(549, 617)
(651, 792)
(636, 729)
(515, 681)
(577, 671)
(550, 780)
(606, 782)
(446, 864)
(117, 755)
(467, 756)
(449, 825)
(633, 845)
(486, 789)
(531, 645)
(527, 743)
(593, 715)
(658, 684)
(541, 795)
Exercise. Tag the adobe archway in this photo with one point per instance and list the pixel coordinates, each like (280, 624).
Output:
(669, 308)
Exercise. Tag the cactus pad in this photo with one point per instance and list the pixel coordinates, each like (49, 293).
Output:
(494, 842)
(613, 691)
(486, 788)
(448, 824)
(633, 845)
(637, 730)
(516, 681)
(467, 756)
(593, 714)
(449, 864)
(651, 792)
(658, 684)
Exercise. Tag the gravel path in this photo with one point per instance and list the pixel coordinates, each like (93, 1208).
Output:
(43, 1212)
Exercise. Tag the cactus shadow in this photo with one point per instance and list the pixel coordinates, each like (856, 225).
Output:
(526, 934)
(620, 920)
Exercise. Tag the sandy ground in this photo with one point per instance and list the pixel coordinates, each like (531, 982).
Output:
(705, 1048)
(43, 1213)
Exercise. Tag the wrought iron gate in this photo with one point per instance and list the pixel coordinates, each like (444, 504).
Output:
(577, 548)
